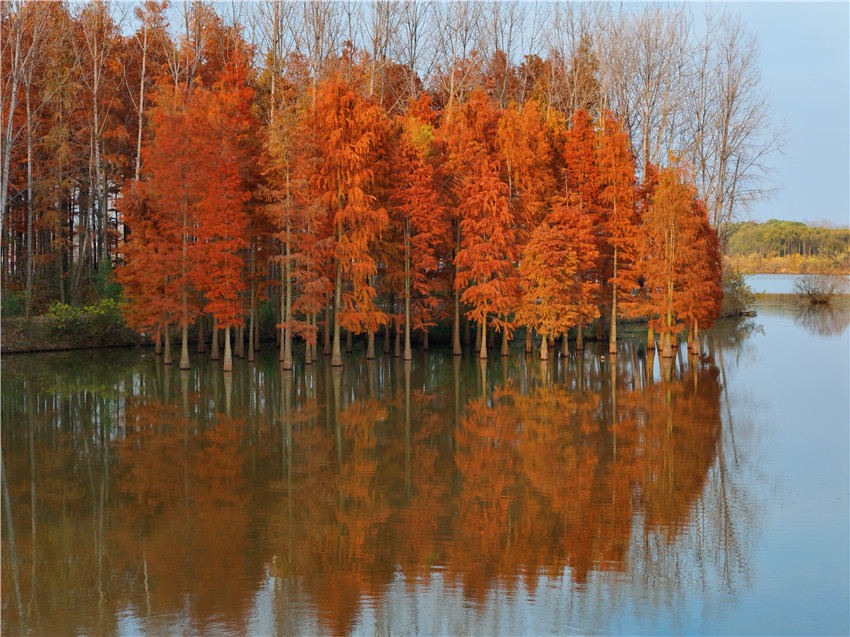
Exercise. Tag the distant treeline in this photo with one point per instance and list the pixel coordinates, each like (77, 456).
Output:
(776, 238)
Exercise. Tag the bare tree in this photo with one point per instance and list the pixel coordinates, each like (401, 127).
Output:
(414, 39)
(734, 134)
(457, 35)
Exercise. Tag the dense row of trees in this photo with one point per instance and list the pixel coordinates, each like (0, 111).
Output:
(383, 164)
(776, 238)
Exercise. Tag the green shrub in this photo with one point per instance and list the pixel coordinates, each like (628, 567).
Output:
(104, 284)
(87, 320)
(12, 304)
(737, 295)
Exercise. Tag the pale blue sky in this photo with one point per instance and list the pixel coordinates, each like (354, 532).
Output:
(805, 65)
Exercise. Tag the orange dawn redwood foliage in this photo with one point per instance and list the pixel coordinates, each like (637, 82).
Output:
(160, 214)
(617, 208)
(419, 212)
(225, 172)
(487, 256)
(346, 129)
(577, 208)
(679, 257)
(192, 217)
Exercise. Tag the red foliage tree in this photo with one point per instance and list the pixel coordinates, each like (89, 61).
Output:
(617, 208)
(346, 130)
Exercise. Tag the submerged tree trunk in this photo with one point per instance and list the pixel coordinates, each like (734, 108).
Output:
(214, 345)
(456, 351)
(202, 339)
(693, 345)
(184, 345)
(370, 345)
(612, 335)
(239, 337)
(166, 357)
(227, 365)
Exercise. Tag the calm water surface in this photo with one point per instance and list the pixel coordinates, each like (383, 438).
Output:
(585, 496)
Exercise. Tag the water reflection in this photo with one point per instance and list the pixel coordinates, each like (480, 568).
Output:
(823, 320)
(142, 498)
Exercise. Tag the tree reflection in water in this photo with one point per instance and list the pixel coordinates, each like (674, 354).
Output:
(181, 499)
(823, 320)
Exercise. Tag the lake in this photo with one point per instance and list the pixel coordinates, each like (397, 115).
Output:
(583, 496)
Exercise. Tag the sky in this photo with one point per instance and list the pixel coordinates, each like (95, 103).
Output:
(805, 66)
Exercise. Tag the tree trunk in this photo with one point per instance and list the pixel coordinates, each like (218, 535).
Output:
(407, 353)
(579, 338)
(214, 346)
(529, 340)
(239, 336)
(695, 348)
(504, 341)
(612, 335)
(349, 342)
(425, 340)
(308, 349)
(456, 351)
(565, 344)
(483, 354)
(29, 275)
(370, 345)
(202, 341)
(227, 365)
(184, 345)
(544, 348)
(666, 345)
(166, 357)
(336, 355)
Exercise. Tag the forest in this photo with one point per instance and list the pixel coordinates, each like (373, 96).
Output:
(359, 168)
(787, 246)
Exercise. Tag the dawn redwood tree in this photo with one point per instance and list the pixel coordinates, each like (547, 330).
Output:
(223, 174)
(417, 209)
(169, 193)
(150, 263)
(676, 256)
(346, 129)
(467, 139)
(525, 153)
(701, 291)
(549, 283)
(578, 207)
(486, 261)
(617, 210)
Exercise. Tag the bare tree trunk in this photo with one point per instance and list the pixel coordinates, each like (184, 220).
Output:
(227, 364)
(483, 353)
(456, 351)
(214, 346)
(166, 357)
